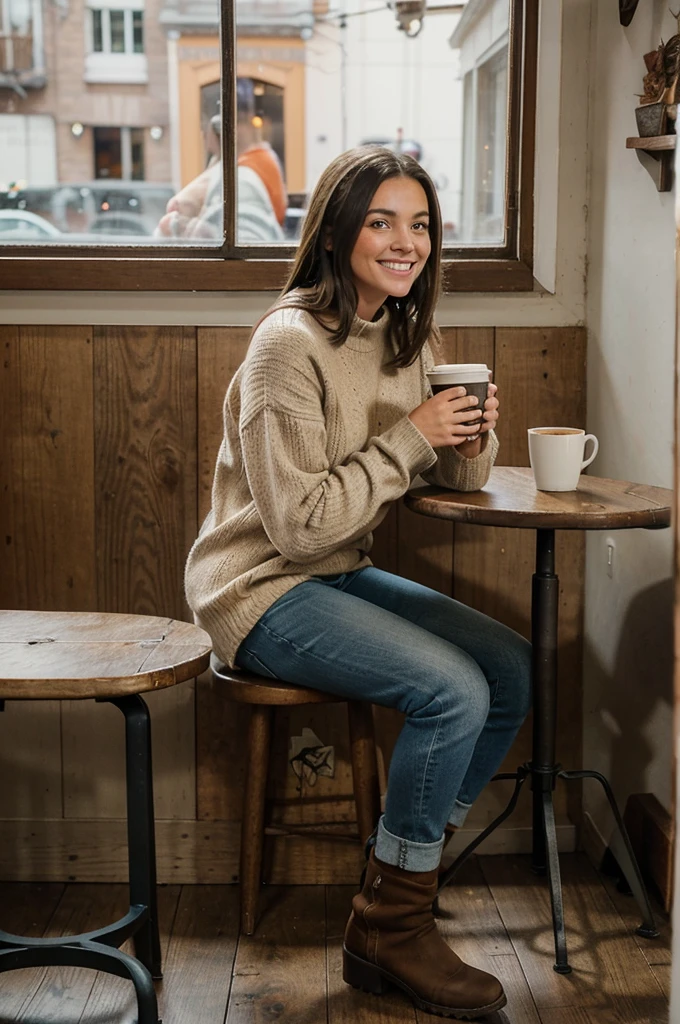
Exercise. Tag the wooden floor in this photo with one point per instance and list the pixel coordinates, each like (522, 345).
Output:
(497, 917)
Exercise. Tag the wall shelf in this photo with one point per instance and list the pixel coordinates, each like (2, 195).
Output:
(661, 148)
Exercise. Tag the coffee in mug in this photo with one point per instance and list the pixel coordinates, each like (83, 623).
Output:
(474, 377)
(557, 456)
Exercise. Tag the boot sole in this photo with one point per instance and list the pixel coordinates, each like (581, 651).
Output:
(375, 980)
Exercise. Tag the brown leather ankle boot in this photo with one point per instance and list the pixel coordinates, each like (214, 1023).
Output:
(392, 939)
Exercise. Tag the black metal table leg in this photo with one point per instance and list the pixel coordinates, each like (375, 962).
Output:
(622, 849)
(543, 768)
(545, 592)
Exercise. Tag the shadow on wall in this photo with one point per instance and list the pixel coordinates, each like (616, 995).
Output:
(641, 681)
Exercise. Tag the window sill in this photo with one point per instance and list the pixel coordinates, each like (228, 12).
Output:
(172, 274)
(116, 68)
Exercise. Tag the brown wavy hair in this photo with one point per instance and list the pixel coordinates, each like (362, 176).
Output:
(337, 210)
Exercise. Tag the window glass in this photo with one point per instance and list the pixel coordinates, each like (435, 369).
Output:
(97, 34)
(314, 80)
(137, 32)
(117, 28)
(138, 102)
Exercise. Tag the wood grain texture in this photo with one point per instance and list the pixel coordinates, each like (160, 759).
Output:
(609, 975)
(510, 499)
(154, 400)
(145, 500)
(96, 850)
(145, 444)
(199, 960)
(276, 968)
(58, 531)
(13, 580)
(59, 655)
(657, 952)
(221, 727)
(24, 910)
(471, 924)
(173, 272)
(540, 372)
(113, 999)
(54, 547)
(63, 992)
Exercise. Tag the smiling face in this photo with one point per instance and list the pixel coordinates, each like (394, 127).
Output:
(393, 245)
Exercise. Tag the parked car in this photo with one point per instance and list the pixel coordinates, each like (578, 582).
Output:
(75, 206)
(23, 226)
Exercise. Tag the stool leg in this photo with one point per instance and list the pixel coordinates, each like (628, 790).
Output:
(364, 766)
(141, 833)
(252, 828)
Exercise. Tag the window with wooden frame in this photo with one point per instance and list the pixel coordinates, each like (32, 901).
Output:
(270, 91)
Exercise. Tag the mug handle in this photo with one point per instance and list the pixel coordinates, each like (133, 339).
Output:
(596, 446)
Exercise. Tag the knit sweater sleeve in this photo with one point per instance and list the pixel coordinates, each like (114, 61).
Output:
(453, 470)
(309, 506)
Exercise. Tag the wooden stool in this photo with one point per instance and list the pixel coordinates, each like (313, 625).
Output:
(113, 658)
(264, 695)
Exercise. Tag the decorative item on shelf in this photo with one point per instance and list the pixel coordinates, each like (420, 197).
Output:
(627, 9)
(657, 112)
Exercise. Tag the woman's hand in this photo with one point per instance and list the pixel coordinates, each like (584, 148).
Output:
(444, 419)
(490, 417)
(475, 445)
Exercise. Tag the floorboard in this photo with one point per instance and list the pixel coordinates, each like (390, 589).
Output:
(112, 998)
(655, 951)
(496, 916)
(63, 993)
(471, 924)
(280, 972)
(611, 979)
(26, 908)
(198, 967)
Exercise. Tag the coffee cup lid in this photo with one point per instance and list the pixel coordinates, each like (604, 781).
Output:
(459, 373)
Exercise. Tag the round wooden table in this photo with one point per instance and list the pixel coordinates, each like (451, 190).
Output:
(114, 658)
(510, 499)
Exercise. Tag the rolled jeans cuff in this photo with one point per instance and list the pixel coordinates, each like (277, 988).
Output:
(406, 854)
(459, 813)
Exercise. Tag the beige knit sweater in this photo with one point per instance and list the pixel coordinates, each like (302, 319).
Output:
(317, 445)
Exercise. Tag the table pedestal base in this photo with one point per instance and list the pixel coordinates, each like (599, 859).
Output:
(543, 769)
(97, 949)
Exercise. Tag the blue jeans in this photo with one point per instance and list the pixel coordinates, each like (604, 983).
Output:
(461, 679)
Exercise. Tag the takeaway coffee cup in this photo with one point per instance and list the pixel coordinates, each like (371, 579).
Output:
(474, 377)
(557, 456)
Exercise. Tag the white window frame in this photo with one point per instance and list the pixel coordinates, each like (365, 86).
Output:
(128, 22)
(103, 66)
(470, 171)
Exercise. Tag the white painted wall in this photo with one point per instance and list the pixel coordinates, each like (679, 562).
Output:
(631, 329)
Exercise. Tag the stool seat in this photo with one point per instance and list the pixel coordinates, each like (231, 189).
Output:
(265, 694)
(249, 688)
(80, 655)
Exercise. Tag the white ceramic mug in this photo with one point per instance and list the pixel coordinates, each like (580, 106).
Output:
(557, 456)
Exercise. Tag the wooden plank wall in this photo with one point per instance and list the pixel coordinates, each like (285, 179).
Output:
(108, 437)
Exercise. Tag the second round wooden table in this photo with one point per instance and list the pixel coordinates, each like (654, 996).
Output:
(510, 499)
